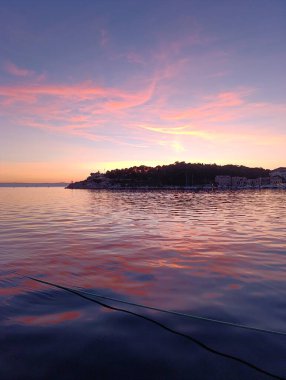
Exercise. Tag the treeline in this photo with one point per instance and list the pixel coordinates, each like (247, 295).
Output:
(180, 174)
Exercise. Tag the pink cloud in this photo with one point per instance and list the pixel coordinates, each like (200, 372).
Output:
(173, 48)
(81, 110)
(179, 130)
(139, 115)
(47, 319)
(82, 92)
(12, 69)
(220, 107)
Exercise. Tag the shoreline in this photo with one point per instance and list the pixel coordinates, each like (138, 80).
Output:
(174, 188)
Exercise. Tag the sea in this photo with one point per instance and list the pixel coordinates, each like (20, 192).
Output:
(208, 257)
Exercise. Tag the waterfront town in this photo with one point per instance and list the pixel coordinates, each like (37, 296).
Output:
(276, 179)
(185, 176)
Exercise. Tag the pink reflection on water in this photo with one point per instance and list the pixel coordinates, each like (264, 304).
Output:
(177, 251)
(47, 319)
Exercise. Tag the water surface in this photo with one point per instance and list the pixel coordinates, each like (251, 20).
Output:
(221, 255)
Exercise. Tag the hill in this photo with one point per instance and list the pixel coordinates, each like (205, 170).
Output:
(178, 174)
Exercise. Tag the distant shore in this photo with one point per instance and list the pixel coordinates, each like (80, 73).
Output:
(28, 184)
(77, 186)
(185, 176)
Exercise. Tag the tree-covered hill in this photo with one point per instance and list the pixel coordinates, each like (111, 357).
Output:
(180, 174)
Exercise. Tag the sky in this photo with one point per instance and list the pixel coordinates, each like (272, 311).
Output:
(89, 85)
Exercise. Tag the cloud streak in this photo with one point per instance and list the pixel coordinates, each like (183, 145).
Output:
(158, 110)
(17, 71)
(99, 113)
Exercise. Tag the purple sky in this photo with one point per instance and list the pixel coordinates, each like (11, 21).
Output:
(88, 85)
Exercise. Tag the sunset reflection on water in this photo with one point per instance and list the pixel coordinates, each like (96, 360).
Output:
(221, 255)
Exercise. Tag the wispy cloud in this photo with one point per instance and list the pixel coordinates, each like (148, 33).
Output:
(178, 131)
(138, 117)
(12, 69)
(150, 109)
(83, 92)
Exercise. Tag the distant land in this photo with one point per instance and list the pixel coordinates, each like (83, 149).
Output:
(184, 175)
(20, 184)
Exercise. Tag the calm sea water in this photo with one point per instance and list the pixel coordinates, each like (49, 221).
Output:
(219, 255)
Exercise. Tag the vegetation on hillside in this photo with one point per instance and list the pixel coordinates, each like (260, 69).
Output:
(180, 174)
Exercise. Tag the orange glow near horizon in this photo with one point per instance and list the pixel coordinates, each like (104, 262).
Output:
(181, 92)
(53, 172)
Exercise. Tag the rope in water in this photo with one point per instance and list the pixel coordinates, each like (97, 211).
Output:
(189, 337)
(192, 316)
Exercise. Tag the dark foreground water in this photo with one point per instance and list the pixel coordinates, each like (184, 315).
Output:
(220, 255)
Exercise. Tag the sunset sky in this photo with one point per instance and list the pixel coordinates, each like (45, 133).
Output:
(90, 85)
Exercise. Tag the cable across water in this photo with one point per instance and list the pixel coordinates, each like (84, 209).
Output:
(189, 337)
(192, 316)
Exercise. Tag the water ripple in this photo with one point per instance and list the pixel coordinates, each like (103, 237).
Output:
(221, 255)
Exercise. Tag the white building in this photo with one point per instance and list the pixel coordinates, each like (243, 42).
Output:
(281, 172)
(223, 181)
(238, 182)
(276, 180)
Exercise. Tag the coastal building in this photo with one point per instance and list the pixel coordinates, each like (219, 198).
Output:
(265, 181)
(260, 182)
(242, 182)
(223, 181)
(238, 182)
(251, 182)
(281, 172)
(276, 180)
